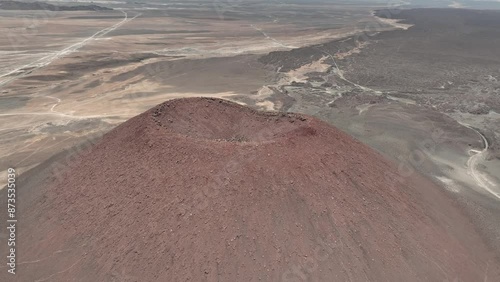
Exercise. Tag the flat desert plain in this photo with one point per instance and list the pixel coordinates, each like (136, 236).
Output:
(69, 76)
(421, 86)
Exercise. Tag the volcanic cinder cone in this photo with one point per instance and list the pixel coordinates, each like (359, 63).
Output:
(208, 190)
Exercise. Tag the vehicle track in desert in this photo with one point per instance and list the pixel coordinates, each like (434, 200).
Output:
(476, 157)
(46, 60)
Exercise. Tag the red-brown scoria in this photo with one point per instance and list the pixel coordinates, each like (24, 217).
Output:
(208, 190)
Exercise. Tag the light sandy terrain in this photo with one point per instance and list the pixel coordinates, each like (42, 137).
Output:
(59, 86)
(394, 22)
(66, 76)
(69, 77)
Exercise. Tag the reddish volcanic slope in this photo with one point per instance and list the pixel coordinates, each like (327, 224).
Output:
(207, 190)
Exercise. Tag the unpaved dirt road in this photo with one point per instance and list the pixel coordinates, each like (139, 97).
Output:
(476, 157)
(46, 60)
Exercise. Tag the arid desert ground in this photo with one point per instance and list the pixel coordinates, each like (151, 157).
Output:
(419, 85)
(69, 75)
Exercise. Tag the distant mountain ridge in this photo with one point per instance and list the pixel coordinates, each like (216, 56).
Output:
(16, 5)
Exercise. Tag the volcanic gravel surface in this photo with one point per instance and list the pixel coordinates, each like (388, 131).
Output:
(207, 190)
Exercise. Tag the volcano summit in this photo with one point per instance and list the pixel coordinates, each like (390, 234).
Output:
(207, 190)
